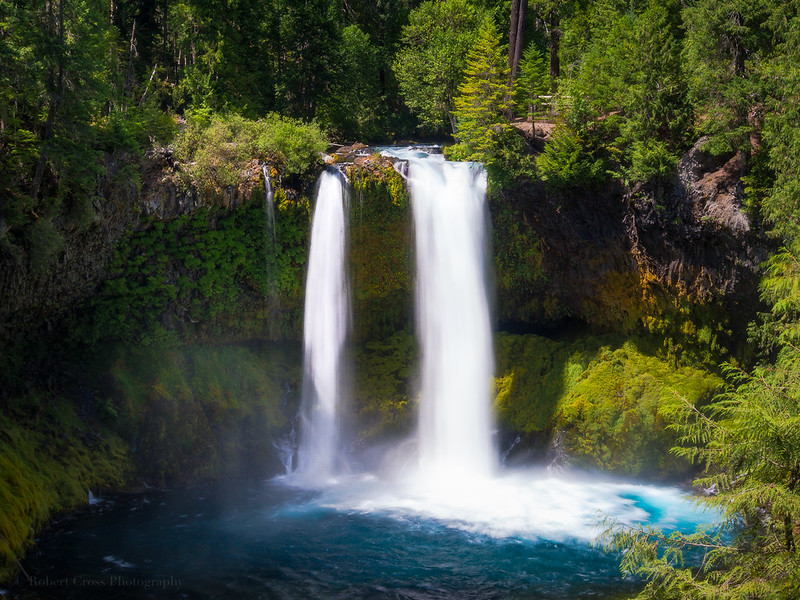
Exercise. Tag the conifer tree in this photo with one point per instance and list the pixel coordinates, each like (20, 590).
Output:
(726, 40)
(531, 82)
(482, 106)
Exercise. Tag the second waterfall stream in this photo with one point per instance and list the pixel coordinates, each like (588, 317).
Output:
(453, 324)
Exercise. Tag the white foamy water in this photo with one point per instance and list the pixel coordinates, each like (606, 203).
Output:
(531, 504)
(324, 332)
(450, 222)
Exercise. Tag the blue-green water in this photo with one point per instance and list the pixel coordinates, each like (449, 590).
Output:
(358, 538)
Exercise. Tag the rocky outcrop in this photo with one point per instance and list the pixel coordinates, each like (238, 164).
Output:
(695, 235)
(713, 187)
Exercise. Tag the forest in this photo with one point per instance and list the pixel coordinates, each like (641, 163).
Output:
(627, 87)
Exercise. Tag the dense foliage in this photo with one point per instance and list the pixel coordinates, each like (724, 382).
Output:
(632, 83)
(217, 272)
(216, 150)
(747, 439)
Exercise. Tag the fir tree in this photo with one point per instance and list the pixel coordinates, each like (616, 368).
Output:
(532, 81)
(482, 106)
(748, 440)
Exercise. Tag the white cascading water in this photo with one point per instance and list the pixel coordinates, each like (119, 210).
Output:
(450, 218)
(324, 332)
(269, 201)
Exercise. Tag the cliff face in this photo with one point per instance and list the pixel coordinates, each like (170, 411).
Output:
(36, 300)
(679, 259)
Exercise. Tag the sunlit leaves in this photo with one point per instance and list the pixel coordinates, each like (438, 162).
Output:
(481, 107)
(430, 66)
(748, 441)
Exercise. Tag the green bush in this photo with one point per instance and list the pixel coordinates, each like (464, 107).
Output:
(565, 162)
(216, 149)
(650, 159)
(291, 145)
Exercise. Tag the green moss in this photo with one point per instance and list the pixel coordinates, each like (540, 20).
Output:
(215, 274)
(604, 394)
(692, 327)
(49, 461)
(384, 397)
(518, 264)
(380, 249)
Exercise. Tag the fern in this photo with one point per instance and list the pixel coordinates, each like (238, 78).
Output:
(748, 442)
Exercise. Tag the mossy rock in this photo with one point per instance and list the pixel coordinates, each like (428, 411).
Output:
(381, 242)
(603, 395)
(385, 396)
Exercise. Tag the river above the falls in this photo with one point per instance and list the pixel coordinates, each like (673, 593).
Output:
(359, 537)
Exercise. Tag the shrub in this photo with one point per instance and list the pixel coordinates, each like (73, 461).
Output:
(566, 163)
(650, 159)
(216, 149)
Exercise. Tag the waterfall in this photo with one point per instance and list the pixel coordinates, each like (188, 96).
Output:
(450, 219)
(325, 328)
(455, 422)
(269, 201)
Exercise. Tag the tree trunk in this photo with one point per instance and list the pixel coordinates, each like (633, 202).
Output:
(512, 36)
(555, 35)
(788, 530)
(737, 64)
(520, 38)
(56, 91)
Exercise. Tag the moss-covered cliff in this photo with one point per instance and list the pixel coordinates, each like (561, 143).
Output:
(52, 454)
(596, 402)
(163, 344)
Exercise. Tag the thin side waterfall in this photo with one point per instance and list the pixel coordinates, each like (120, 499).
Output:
(269, 201)
(325, 329)
(454, 328)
